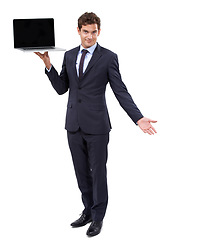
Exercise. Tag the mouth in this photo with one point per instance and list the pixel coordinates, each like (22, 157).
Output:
(88, 40)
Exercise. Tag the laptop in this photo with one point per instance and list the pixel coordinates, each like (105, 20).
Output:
(34, 35)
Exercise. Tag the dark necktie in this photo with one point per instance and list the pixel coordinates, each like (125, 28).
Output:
(84, 52)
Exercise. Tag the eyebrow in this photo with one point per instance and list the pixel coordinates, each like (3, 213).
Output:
(88, 31)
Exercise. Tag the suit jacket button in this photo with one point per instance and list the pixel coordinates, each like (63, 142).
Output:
(79, 100)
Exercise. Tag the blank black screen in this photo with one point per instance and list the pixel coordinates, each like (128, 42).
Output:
(33, 32)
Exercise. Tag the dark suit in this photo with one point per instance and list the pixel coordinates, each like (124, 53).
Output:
(87, 120)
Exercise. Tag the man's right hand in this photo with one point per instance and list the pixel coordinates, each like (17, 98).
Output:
(45, 57)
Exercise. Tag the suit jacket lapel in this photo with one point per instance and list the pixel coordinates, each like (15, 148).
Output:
(74, 61)
(96, 55)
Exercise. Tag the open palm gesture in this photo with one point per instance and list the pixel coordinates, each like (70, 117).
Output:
(145, 125)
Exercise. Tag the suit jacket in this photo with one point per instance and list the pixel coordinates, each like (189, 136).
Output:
(86, 106)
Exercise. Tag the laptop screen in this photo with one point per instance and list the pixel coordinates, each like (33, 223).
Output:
(33, 32)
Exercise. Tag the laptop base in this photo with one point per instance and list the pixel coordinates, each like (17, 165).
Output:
(40, 49)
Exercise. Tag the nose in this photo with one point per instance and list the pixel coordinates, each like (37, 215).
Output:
(90, 36)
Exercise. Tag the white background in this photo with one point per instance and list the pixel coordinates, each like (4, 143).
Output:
(154, 181)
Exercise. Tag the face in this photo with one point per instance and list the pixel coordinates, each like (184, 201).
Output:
(89, 35)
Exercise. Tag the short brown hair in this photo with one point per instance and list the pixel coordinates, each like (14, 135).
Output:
(87, 19)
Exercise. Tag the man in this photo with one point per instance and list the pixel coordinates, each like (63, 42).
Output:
(86, 71)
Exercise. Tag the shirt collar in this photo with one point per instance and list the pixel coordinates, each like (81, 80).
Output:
(90, 49)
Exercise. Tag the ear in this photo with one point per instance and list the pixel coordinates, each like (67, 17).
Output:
(79, 32)
(99, 32)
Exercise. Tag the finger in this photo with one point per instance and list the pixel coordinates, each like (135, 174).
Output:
(153, 121)
(146, 130)
(46, 54)
(153, 129)
(38, 54)
(149, 132)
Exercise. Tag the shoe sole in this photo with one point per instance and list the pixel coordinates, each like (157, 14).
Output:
(93, 234)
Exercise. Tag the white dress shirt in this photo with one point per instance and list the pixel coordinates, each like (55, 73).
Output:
(87, 57)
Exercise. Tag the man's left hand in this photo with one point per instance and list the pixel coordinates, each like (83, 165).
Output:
(145, 125)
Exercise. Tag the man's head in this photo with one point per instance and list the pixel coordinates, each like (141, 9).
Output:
(88, 29)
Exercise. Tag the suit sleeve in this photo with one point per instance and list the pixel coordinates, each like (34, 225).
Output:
(59, 82)
(121, 92)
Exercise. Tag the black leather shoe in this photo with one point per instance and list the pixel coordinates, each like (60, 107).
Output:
(94, 229)
(82, 221)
